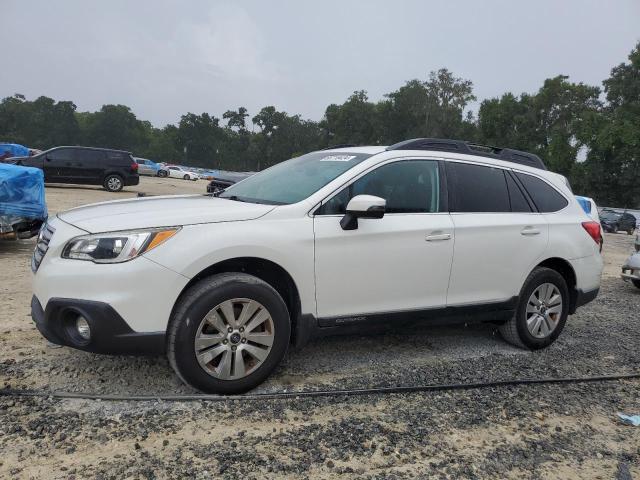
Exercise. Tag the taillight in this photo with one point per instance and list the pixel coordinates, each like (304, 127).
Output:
(134, 167)
(593, 229)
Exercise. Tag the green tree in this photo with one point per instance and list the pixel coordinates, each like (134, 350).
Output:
(446, 98)
(115, 126)
(352, 122)
(550, 123)
(612, 168)
(236, 119)
(200, 137)
(41, 123)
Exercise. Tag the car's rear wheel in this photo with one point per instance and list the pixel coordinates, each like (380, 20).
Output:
(186, 177)
(541, 313)
(228, 333)
(162, 173)
(113, 183)
(636, 283)
(630, 231)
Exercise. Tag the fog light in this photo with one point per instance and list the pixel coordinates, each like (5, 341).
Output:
(82, 327)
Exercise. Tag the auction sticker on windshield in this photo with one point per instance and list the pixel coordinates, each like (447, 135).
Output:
(337, 158)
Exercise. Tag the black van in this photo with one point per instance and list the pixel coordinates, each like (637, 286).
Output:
(113, 169)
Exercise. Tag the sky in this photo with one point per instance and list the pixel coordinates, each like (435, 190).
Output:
(164, 58)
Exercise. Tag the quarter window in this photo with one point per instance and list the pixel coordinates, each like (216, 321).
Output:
(410, 186)
(478, 189)
(546, 198)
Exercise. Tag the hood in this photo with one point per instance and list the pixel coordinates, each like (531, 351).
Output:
(163, 211)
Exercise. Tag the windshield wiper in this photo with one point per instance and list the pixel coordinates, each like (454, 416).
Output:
(234, 198)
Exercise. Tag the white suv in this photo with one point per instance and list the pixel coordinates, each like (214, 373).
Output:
(339, 240)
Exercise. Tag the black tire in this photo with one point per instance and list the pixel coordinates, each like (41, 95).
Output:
(614, 229)
(113, 183)
(196, 303)
(636, 283)
(162, 173)
(515, 330)
(186, 177)
(630, 231)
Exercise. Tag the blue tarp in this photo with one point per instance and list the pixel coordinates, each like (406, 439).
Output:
(22, 192)
(13, 150)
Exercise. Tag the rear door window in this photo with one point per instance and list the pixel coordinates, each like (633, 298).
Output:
(477, 188)
(546, 198)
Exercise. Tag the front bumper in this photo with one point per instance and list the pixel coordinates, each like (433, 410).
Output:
(109, 332)
(126, 304)
(631, 268)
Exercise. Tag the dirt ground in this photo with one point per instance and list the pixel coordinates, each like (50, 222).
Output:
(545, 431)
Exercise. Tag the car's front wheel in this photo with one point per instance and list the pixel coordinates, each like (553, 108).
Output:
(541, 313)
(186, 177)
(228, 333)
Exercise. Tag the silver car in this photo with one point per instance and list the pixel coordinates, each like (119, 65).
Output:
(631, 267)
(147, 167)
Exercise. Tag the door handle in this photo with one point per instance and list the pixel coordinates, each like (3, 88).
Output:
(438, 237)
(529, 231)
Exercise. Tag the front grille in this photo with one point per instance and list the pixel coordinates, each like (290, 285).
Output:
(42, 245)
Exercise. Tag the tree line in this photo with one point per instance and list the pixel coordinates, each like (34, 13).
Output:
(590, 134)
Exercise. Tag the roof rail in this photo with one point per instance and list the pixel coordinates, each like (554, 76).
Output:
(470, 148)
(340, 145)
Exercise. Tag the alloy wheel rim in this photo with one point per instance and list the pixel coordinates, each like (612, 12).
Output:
(114, 183)
(234, 338)
(544, 310)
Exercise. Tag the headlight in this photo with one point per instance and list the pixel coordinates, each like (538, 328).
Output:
(116, 247)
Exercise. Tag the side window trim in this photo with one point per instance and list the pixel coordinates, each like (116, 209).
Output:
(534, 208)
(442, 200)
(452, 186)
(444, 190)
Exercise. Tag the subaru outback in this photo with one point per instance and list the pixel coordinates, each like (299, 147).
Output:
(341, 240)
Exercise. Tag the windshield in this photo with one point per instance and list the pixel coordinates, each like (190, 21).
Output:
(294, 180)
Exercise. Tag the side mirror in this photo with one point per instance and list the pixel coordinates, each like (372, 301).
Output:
(362, 206)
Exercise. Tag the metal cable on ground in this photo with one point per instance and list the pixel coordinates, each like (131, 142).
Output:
(12, 392)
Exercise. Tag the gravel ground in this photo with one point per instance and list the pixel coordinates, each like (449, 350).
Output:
(507, 432)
